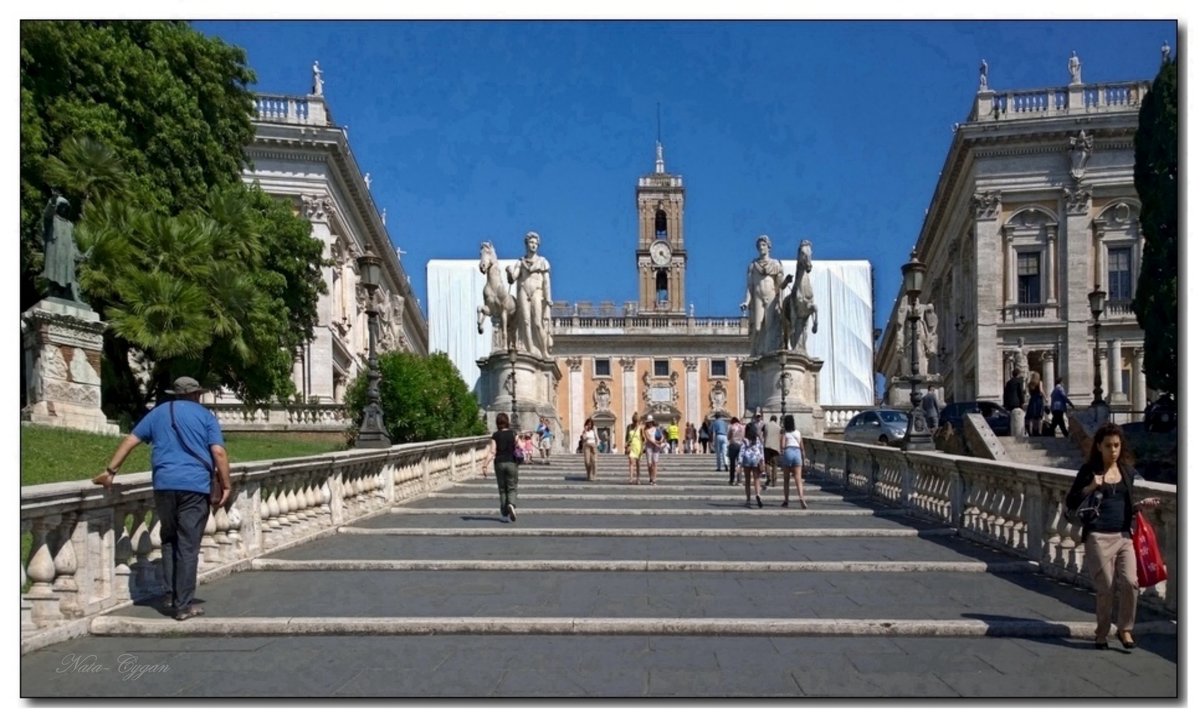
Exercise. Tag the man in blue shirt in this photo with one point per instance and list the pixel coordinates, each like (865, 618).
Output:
(721, 440)
(186, 450)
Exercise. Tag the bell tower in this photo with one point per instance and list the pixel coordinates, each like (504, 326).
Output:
(661, 257)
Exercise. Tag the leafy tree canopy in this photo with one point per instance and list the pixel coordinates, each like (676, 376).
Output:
(423, 398)
(1156, 177)
(143, 126)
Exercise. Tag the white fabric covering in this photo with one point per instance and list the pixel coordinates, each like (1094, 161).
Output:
(844, 339)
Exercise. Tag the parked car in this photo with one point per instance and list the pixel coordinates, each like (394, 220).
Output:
(885, 425)
(993, 414)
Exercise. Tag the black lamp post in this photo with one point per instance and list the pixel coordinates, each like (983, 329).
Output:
(512, 379)
(1096, 301)
(916, 436)
(371, 434)
(784, 377)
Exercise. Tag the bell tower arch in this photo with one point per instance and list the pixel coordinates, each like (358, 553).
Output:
(660, 254)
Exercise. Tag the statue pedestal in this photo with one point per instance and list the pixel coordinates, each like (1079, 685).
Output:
(801, 377)
(535, 396)
(62, 342)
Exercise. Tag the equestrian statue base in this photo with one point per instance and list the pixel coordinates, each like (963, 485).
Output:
(786, 379)
(62, 343)
(536, 379)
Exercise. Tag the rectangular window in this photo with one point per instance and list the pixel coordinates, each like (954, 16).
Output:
(716, 367)
(1029, 278)
(662, 368)
(602, 367)
(1120, 274)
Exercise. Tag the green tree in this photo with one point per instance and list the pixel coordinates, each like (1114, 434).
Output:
(143, 125)
(1156, 177)
(423, 398)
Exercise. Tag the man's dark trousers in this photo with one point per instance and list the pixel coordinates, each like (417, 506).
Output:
(1058, 422)
(183, 516)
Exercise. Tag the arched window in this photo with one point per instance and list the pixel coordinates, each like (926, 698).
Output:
(660, 287)
(660, 224)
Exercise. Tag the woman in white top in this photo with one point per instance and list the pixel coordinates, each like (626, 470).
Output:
(588, 440)
(793, 458)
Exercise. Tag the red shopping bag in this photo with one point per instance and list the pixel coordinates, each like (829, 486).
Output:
(1150, 568)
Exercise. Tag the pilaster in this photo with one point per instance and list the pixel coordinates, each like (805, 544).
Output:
(628, 389)
(1075, 362)
(575, 387)
(692, 390)
(988, 292)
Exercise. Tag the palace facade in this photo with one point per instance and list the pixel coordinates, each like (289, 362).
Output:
(1034, 209)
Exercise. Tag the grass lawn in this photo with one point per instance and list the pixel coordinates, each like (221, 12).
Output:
(56, 455)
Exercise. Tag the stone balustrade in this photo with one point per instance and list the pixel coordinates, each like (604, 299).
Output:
(292, 110)
(598, 324)
(1048, 102)
(1014, 508)
(95, 550)
(281, 418)
(838, 416)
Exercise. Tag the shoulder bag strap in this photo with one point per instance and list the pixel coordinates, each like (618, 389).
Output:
(183, 443)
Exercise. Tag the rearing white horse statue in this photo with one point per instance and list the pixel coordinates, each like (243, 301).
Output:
(497, 302)
(799, 306)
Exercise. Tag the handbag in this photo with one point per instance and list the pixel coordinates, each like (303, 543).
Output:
(1088, 510)
(1150, 567)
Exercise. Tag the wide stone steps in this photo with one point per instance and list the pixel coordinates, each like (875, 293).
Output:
(611, 590)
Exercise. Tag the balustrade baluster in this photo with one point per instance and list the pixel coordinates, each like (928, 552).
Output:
(122, 553)
(44, 603)
(65, 567)
(208, 545)
(221, 519)
(158, 577)
(236, 548)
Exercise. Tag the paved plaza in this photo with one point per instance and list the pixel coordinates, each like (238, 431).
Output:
(608, 590)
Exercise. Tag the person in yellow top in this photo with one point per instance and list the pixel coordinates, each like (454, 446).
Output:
(673, 437)
(633, 449)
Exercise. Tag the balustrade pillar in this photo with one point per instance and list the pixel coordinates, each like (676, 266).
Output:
(122, 554)
(44, 603)
(1138, 380)
(1116, 389)
(208, 544)
(65, 566)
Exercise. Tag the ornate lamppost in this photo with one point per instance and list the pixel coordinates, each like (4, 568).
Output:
(916, 436)
(371, 434)
(512, 380)
(784, 378)
(1096, 302)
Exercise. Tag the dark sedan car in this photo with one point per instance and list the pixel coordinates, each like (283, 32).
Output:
(993, 414)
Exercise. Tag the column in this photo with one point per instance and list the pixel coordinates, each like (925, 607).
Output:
(318, 209)
(628, 390)
(1075, 362)
(1051, 266)
(1007, 271)
(692, 390)
(575, 368)
(988, 293)
(1116, 389)
(1105, 385)
(1138, 380)
(1047, 371)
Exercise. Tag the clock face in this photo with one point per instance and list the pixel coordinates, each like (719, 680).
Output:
(660, 253)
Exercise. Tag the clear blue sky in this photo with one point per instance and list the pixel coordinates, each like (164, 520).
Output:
(832, 131)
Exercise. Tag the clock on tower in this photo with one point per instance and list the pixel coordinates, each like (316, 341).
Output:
(661, 258)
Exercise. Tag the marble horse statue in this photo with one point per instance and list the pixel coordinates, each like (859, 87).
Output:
(497, 302)
(798, 305)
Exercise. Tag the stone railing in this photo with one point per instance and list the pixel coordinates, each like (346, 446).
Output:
(584, 325)
(292, 110)
(1119, 308)
(1048, 102)
(281, 418)
(1015, 508)
(838, 416)
(95, 550)
(1029, 311)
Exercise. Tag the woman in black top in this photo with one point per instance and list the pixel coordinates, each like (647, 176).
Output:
(500, 449)
(1107, 543)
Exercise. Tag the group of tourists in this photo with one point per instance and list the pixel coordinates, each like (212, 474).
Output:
(1043, 415)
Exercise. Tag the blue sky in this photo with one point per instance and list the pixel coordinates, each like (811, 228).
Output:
(829, 130)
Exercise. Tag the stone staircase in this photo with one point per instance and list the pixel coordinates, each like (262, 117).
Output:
(606, 589)
(1058, 452)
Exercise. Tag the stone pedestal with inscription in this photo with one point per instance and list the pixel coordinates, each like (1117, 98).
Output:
(786, 379)
(536, 380)
(62, 343)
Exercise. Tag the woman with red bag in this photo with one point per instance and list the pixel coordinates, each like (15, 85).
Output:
(1107, 542)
